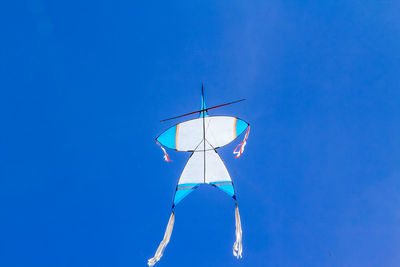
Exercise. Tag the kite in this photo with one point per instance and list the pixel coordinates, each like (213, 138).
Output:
(202, 137)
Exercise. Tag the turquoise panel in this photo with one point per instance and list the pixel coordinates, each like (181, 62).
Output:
(181, 194)
(227, 189)
(240, 126)
(188, 184)
(203, 106)
(167, 138)
(221, 182)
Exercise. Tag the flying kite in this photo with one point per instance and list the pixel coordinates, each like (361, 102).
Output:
(203, 136)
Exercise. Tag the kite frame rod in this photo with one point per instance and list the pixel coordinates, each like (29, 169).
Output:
(206, 109)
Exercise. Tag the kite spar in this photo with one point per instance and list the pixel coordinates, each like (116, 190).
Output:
(202, 137)
(203, 110)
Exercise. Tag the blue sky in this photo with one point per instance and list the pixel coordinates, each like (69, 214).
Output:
(84, 85)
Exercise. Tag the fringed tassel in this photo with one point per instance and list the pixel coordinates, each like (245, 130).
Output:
(166, 157)
(237, 247)
(164, 242)
(241, 145)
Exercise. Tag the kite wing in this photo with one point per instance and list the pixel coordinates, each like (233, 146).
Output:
(222, 130)
(204, 167)
(187, 136)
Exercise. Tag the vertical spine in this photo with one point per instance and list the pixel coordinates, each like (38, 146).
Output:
(204, 135)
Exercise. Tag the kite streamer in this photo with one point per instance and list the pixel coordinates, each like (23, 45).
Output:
(237, 247)
(164, 242)
(241, 145)
(166, 157)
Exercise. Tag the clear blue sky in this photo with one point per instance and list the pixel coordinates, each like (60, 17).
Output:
(85, 83)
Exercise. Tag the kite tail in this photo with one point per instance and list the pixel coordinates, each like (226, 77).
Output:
(237, 247)
(164, 242)
(241, 145)
(166, 157)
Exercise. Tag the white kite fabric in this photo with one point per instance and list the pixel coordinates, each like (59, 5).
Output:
(202, 136)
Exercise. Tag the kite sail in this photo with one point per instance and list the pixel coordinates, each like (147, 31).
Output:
(202, 137)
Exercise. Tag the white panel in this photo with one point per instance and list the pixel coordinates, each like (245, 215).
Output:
(189, 134)
(215, 168)
(194, 169)
(220, 130)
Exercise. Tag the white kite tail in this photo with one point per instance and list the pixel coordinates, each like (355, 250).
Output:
(237, 247)
(241, 145)
(164, 242)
